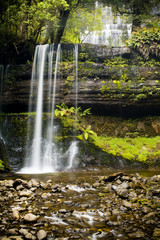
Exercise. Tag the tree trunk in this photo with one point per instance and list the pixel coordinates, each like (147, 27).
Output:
(62, 24)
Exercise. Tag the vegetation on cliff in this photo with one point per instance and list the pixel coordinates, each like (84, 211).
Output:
(132, 147)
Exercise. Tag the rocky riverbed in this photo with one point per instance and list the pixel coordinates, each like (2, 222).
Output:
(116, 206)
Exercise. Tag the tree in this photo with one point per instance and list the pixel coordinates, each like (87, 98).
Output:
(34, 21)
(25, 22)
(80, 23)
(64, 15)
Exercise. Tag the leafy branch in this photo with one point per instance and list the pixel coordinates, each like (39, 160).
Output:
(146, 41)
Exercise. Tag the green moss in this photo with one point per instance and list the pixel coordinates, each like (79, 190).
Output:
(119, 62)
(2, 167)
(140, 148)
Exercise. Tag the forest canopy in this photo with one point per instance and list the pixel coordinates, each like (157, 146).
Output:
(24, 23)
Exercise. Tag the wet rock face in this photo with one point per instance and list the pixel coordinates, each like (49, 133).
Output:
(118, 206)
(104, 88)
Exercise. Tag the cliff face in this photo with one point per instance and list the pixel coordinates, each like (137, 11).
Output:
(110, 81)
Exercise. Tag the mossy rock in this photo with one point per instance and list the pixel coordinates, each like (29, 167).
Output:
(91, 155)
(4, 166)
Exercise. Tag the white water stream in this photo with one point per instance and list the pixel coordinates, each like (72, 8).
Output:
(43, 154)
(116, 29)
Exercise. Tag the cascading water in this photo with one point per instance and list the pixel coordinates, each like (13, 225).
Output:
(115, 30)
(73, 149)
(50, 157)
(43, 154)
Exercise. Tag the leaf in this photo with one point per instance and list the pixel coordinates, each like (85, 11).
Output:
(85, 135)
(56, 112)
(88, 127)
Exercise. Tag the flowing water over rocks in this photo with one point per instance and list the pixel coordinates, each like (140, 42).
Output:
(112, 206)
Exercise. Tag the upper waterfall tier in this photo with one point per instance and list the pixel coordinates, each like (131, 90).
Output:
(116, 29)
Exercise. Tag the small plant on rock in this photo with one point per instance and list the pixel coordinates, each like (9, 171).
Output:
(87, 133)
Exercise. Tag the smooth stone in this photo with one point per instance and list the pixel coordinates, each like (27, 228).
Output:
(33, 183)
(45, 195)
(96, 185)
(23, 231)
(27, 234)
(25, 193)
(63, 211)
(126, 178)
(8, 183)
(19, 182)
(13, 232)
(29, 217)
(132, 195)
(150, 215)
(45, 185)
(15, 214)
(122, 192)
(108, 188)
(30, 236)
(115, 212)
(41, 234)
(127, 204)
(137, 234)
(19, 187)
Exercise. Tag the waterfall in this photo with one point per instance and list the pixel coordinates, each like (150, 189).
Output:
(50, 156)
(115, 30)
(73, 149)
(43, 153)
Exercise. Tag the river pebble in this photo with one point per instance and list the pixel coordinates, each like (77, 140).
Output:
(118, 206)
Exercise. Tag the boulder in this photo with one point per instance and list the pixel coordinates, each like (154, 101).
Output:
(41, 234)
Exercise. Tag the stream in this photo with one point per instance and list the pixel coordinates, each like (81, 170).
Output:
(93, 204)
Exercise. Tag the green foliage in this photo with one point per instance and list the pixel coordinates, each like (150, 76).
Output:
(146, 41)
(63, 110)
(87, 133)
(80, 23)
(26, 22)
(119, 62)
(122, 83)
(148, 63)
(72, 117)
(139, 148)
(1, 165)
